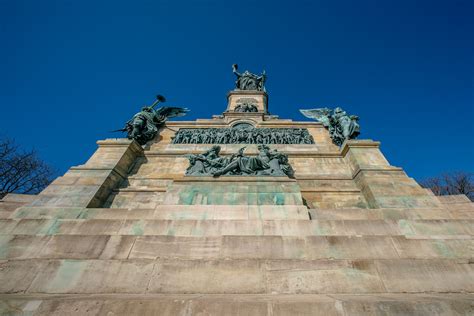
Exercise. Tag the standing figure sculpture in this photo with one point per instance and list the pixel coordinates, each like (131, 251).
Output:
(340, 125)
(248, 80)
(144, 125)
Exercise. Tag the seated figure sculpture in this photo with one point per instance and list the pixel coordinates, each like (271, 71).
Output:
(266, 163)
(206, 163)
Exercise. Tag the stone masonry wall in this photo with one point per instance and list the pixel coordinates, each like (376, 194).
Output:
(128, 234)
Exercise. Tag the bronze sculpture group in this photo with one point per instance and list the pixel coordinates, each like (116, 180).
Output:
(266, 163)
(243, 136)
(144, 125)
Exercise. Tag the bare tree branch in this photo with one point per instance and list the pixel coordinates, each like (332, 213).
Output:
(21, 172)
(451, 184)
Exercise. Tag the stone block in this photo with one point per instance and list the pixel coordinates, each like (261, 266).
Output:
(93, 276)
(5, 214)
(227, 307)
(153, 247)
(21, 246)
(74, 247)
(427, 248)
(350, 247)
(403, 304)
(7, 226)
(306, 308)
(280, 212)
(47, 212)
(322, 276)
(79, 307)
(155, 306)
(16, 275)
(19, 198)
(436, 227)
(89, 227)
(118, 247)
(208, 276)
(426, 275)
(35, 226)
(207, 213)
(263, 247)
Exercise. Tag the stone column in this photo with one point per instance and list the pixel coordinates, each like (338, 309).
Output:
(90, 184)
(383, 185)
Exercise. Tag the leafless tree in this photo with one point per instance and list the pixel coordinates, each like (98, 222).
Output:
(451, 184)
(20, 171)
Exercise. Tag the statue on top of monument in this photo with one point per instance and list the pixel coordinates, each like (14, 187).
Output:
(144, 125)
(248, 80)
(340, 125)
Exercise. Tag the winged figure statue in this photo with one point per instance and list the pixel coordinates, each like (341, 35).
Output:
(340, 125)
(144, 125)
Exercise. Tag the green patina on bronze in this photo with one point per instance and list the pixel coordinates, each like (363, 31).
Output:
(266, 163)
(248, 80)
(340, 125)
(144, 125)
(240, 135)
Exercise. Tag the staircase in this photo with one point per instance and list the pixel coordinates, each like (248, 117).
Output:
(236, 260)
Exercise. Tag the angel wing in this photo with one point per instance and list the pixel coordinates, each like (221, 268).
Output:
(321, 115)
(169, 112)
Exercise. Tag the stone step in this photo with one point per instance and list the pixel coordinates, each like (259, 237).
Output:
(243, 276)
(12, 201)
(171, 212)
(453, 199)
(391, 213)
(6, 206)
(461, 210)
(238, 305)
(218, 212)
(231, 247)
(412, 228)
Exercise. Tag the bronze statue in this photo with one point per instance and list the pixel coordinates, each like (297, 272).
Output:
(248, 135)
(266, 163)
(144, 125)
(248, 80)
(206, 163)
(340, 125)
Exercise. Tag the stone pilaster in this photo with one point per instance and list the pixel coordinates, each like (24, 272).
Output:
(90, 184)
(383, 185)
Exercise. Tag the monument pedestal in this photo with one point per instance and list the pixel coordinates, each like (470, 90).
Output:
(127, 233)
(238, 97)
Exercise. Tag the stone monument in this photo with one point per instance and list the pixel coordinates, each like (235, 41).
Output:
(240, 214)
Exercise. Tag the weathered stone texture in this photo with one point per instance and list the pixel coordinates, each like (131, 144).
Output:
(128, 234)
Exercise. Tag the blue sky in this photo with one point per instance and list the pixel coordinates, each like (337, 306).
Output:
(71, 71)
